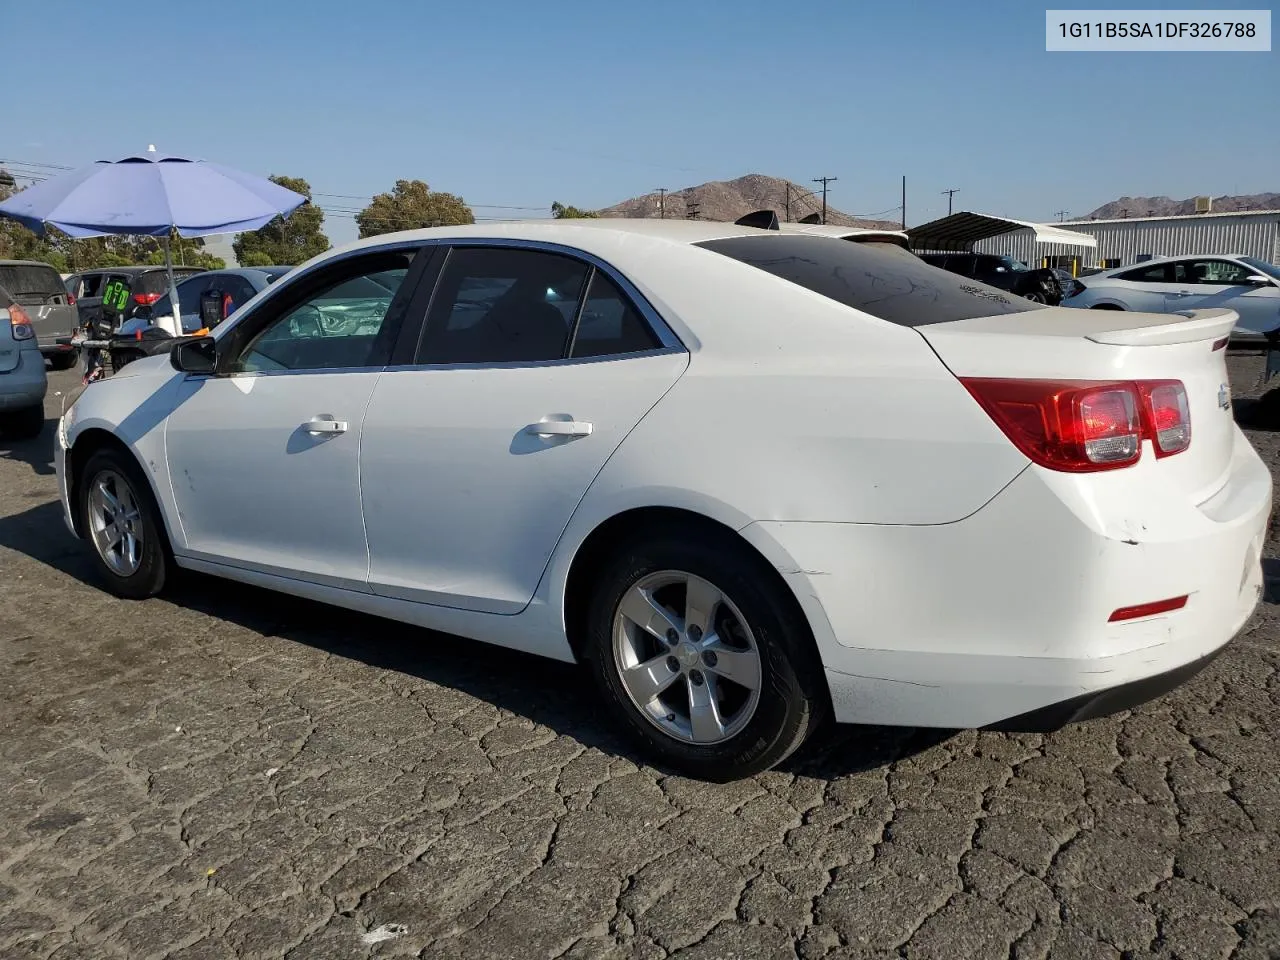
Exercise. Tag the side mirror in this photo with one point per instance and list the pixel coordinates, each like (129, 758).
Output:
(1258, 280)
(194, 356)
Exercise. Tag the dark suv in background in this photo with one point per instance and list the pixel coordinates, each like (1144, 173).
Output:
(1042, 286)
(37, 288)
(147, 285)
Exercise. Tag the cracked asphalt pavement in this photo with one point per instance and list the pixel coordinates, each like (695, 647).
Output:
(231, 773)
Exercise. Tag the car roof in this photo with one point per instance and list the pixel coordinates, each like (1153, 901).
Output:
(26, 263)
(587, 233)
(1156, 261)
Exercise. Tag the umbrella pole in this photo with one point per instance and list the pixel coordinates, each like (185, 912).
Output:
(174, 324)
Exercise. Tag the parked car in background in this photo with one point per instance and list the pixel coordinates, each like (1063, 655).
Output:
(1249, 286)
(147, 284)
(23, 381)
(226, 291)
(1006, 273)
(37, 288)
(594, 440)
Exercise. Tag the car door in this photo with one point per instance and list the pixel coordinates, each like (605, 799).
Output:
(1214, 282)
(264, 454)
(1147, 288)
(532, 367)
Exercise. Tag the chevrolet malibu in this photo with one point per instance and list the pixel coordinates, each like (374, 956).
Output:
(751, 479)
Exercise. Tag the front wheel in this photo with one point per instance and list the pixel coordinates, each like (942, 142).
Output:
(703, 656)
(121, 521)
(64, 360)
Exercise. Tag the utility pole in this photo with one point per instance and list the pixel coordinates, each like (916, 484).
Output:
(904, 201)
(950, 194)
(690, 206)
(1061, 215)
(824, 181)
(662, 202)
(787, 205)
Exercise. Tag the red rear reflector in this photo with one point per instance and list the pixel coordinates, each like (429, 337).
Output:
(1220, 344)
(1148, 609)
(146, 298)
(1082, 426)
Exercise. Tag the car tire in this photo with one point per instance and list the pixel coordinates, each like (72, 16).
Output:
(63, 361)
(1105, 306)
(128, 541)
(24, 424)
(766, 635)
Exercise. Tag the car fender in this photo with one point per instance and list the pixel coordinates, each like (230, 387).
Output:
(133, 409)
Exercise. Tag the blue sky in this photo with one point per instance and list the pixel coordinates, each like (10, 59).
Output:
(517, 104)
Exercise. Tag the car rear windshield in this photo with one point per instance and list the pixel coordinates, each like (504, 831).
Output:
(157, 281)
(881, 279)
(30, 283)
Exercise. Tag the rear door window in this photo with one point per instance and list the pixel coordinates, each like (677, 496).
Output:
(881, 279)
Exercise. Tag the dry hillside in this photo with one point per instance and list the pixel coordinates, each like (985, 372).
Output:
(727, 200)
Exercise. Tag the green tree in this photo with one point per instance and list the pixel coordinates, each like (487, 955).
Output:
(562, 212)
(411, 206)
(286, 241)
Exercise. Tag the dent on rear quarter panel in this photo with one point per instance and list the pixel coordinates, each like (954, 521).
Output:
(796, 407)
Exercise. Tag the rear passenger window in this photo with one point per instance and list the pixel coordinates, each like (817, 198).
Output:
(610, 324)
(500, 305)
(881, 279)
(1157, 274)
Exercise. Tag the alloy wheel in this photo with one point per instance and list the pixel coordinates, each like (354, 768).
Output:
(686, 657)
(115, 523)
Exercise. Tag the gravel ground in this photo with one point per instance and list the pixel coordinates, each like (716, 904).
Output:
(229, 773)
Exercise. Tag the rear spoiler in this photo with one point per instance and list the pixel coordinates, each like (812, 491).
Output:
(1199, 325)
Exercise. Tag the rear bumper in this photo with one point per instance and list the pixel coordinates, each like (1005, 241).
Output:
(1004, 616)
(26, 384)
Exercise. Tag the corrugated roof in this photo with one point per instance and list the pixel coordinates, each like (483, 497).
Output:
(1175, 216)
(961, 231)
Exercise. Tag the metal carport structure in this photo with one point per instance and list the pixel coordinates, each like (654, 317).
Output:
(958, 233)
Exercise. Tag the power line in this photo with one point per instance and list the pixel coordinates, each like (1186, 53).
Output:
(824, 181)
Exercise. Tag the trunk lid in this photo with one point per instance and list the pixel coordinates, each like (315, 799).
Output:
(1071, 344)
(9, 348)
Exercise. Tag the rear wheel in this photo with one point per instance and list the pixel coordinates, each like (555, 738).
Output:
(703, 656)
(24, 424)
(122, 523)
(64, 359)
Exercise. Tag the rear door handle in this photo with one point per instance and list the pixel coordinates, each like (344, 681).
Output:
(323, 425)
(559, 428)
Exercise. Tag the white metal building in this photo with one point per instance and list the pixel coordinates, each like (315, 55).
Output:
(1255, 233)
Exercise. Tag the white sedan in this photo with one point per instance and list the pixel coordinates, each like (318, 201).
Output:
(1249, 286)
(751, 478)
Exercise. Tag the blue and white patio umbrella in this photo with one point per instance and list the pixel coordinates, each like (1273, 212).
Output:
(152, 195)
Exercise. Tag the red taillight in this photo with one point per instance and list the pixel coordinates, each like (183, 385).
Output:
(1148, 609)
(1168, 415)
(1082, 426)
(71, 299)
(21, 323)
(146, 299)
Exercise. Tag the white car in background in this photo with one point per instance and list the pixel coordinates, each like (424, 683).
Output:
(1249, 286)
(751, 477)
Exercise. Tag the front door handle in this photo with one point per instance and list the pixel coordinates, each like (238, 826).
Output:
(325, 425)
(559, 428)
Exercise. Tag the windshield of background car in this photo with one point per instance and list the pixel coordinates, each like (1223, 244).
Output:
(881, 279)
(31, 284)
(1270, 269)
